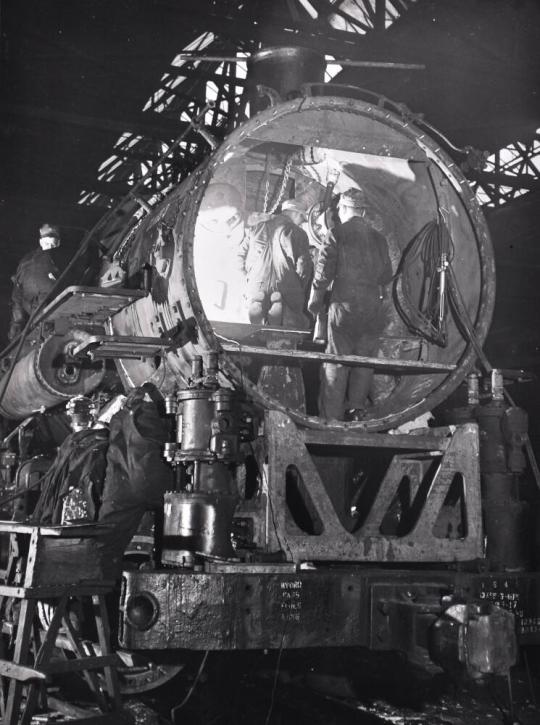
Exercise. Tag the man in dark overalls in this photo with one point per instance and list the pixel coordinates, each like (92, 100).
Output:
(277, 265)
(34, 279)
(354, 263)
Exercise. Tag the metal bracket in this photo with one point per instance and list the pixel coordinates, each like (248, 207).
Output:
(423, 540)
(92, 305)
(113, 347)
(377, 363)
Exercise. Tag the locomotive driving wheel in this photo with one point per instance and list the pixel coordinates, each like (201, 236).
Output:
(138, 672)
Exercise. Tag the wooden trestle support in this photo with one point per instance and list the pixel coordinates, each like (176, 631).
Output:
(53, 566)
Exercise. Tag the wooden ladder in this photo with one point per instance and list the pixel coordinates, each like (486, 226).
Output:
(54, 565)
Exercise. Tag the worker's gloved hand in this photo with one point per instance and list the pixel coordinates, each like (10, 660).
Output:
(315, 302)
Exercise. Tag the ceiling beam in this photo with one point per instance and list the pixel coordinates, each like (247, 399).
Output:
(515, 181)
(315, 34)
(205, 75)
(110, 189)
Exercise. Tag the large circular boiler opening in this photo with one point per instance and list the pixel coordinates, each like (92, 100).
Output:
(342, 264)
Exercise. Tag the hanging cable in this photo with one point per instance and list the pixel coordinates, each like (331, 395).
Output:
(432, 247)
(276, 677)
(192, 688)
(282, 188)
(266, 178)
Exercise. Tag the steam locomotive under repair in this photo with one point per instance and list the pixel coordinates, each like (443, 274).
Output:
(284, 528)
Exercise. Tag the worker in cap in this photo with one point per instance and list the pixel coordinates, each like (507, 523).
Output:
(353, 266)
(354, 198)
(34, 279)
(49, 237)
(278, 268)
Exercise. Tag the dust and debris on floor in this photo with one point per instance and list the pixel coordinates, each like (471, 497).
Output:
(323, 687)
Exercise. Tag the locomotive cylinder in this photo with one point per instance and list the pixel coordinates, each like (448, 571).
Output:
(47, 376)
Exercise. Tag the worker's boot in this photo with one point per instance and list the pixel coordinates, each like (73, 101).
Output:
(275, 313)
(257, 308)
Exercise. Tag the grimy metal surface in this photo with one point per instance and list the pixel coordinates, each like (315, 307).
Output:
(258, 606)
(377, 363)
(345, 128)
(94, 305)
(349, 126)
(518, 592)
(245, 609)
(287, 447)
(48, 374)
(46, 377)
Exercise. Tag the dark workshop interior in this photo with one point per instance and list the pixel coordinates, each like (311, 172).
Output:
(270, 369)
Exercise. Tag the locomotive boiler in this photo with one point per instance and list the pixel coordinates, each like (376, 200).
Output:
(285, 528)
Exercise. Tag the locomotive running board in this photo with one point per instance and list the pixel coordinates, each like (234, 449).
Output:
(431, 488)
(123, 346)
(93, 305)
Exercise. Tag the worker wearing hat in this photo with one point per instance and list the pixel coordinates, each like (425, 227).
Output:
(278, 267)
(354, 263)
(34, 279)
(294, 210)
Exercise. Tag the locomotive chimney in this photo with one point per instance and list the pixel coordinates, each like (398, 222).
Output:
(283, 71)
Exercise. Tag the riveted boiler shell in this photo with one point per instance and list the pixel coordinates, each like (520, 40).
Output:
(295, 149)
